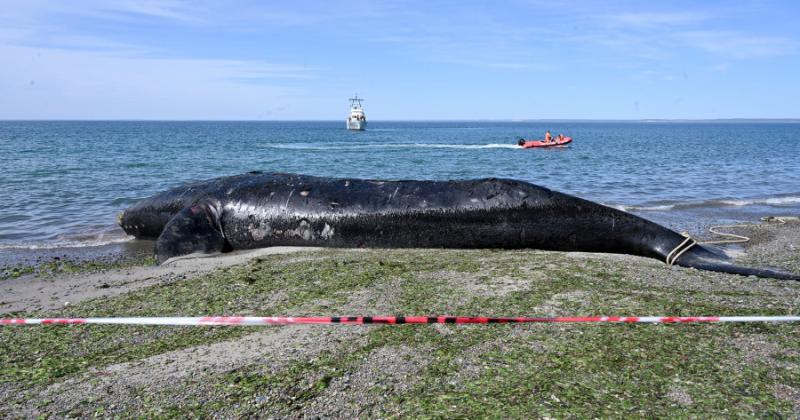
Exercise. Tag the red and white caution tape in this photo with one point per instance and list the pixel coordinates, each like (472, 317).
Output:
(393, 320)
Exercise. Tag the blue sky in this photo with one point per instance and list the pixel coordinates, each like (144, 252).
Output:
(299, 60)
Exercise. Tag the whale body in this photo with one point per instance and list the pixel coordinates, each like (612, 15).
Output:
(258, 209)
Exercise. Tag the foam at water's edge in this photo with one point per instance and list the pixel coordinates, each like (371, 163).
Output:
(773, 201)
(768, 201)
(68, 243)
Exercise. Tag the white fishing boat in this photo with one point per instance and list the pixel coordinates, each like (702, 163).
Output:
(357, 120)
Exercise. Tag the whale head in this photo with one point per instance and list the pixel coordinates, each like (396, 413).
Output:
(194, 230)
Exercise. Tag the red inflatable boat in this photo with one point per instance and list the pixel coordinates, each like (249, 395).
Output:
(541, 143)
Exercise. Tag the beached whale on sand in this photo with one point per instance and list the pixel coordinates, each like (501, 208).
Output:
(257, 210)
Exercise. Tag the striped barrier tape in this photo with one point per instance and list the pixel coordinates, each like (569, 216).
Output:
(392, 320)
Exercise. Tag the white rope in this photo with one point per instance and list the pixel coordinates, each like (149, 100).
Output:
(689, 242)
(680, 249)
(387, 320)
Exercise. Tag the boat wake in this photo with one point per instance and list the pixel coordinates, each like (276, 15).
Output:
(372, 146)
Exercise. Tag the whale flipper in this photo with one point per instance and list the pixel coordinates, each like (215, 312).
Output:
(194, 229)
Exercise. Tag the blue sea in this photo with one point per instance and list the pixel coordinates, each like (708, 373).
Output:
(64, 182)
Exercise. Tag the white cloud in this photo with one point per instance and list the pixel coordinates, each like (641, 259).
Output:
(57, 83)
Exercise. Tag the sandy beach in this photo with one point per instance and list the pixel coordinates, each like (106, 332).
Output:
(390, 371)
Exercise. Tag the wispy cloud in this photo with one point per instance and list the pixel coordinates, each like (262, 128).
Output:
(37, 12)
(659, 36)
(259, 72)
(167, 10)
(652, 19)
(497, 65)
(737, 45)
(42, 29)
(720, 67)
(490, 39)
(476, 41)
(163, 9)
(354, 14)
(79, 83)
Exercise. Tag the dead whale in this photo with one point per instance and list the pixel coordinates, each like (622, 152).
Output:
(257, 210)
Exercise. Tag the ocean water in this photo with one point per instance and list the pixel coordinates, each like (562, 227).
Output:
(63, 183)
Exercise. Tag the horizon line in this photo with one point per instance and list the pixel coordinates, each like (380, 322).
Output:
(511, 120)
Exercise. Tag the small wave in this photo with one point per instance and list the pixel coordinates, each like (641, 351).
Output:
(350, 146)
(123, 200)
(665, 207)
(137, 165)
(774, 201)
(80, 240)
(769, 201)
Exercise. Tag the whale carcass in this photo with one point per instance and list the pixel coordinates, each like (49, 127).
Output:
(258, 209)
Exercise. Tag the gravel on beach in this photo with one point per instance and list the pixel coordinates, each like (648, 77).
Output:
(409, 371)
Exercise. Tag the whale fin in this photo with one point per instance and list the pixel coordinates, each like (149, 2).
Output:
(195, 229)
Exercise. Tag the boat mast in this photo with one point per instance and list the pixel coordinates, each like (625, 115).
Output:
(355, 103)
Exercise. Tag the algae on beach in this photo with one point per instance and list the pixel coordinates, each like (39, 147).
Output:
(409, 371)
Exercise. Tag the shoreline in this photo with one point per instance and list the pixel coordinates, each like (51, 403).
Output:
(16, 262)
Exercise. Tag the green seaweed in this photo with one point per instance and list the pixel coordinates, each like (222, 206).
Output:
(468, 371)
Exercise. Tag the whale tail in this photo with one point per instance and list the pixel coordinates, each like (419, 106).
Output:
(194, 230)
(703, 259)
(725, 267)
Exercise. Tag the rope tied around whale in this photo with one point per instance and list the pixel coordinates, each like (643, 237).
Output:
(689, 242)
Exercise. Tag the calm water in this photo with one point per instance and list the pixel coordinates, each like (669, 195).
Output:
(63, 183)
